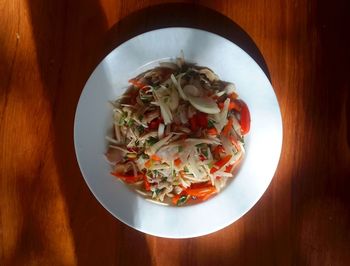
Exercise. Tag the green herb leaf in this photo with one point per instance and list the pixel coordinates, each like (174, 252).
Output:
(122, 118)
(180, 149)
(205, 153)
(200, 145)
(211, 123)
(144, 156)
(182, 200)
(152, 140)
(140, 129)
(130, 122)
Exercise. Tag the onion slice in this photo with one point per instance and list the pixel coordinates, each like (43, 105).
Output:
(204, 104)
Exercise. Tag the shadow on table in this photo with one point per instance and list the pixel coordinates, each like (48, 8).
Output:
(71, 37)
(69, 43)
(183, 15)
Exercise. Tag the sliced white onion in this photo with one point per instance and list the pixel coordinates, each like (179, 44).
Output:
(209, 74)
(174, 99)
(178, 85)
(223, 174)
(220, 93)
(204, 104)
(221, 118)
(191, 90)
(166, 113)
(153, 149)
(161, 128)
(169, 65)
(226, 145)
(148, 135)
(185, 129)
(230, 88)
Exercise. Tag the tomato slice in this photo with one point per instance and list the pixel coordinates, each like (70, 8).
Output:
(245, 118)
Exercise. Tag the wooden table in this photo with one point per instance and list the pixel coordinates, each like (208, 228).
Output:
(48, 215)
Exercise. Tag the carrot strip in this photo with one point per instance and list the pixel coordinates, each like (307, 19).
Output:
(156, 158)
(175, 199)
(212, 131)
(219, 164)
(177, 162)
(147, 184)
(245, 118)
(200, 192)
(218, 149)
(228, 127)
(234, 106)
(206, 197)
(137, 83)
(148, 164)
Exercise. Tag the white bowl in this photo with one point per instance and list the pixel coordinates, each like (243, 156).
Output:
(94, 117)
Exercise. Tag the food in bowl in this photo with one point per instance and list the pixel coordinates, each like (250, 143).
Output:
(178, 133)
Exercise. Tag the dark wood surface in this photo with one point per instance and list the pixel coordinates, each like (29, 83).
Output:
(48, 49)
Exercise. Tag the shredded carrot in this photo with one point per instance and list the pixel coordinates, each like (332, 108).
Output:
(177, 162)
(233, 105)
(175, 199)
(233, 96)
(137, 83)
(229, 168)
(219, 164)
(148, 164)
(200, 192)
(228, 127)
(147, 184)
(218, 149)
(212, 131)
(156, 158)
(208, 196)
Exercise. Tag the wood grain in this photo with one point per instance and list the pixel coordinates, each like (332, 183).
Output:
(48, 215)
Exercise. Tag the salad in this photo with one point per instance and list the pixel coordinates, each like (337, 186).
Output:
(178, 133)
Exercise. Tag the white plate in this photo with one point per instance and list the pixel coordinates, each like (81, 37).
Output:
(94, 117)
